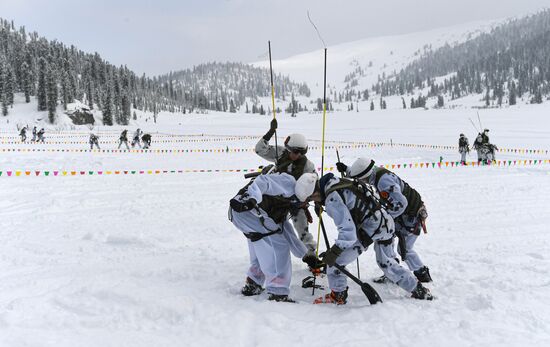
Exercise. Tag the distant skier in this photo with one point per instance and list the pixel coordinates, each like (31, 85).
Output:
(34, 134)
(478, 146)
(404, 204)
(23, 134)
(292, 160)
(135, 140)
(260, 210)
(146, 138)
(361, 221)
(463, 148)
(123, 139)
(94, 140)
(40, 135)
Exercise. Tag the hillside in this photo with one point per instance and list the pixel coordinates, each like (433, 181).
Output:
(501, 66)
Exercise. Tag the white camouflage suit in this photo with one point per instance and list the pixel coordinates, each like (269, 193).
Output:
(379, 227)
(391, 184)
(268, 152)
(269, 256)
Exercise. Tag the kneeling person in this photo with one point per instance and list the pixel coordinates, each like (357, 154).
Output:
(405, 206)
(361, 220)
(261, 210)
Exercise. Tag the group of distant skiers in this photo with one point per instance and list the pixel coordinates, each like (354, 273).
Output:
(37, 136)
(485, 150)
(146, 138)
(139, 136)
(368, 204)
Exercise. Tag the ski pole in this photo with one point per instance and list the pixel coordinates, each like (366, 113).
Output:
(273, 103)
(342, 174)
(322, 141)
(479, 119)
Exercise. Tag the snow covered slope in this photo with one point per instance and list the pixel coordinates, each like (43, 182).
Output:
(375, 56)
(151, 260)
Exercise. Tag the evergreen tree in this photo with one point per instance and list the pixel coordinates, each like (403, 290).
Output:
(440, 101)
(512, 96)
(42, 96)
(51, 94)
(90, 95)
(108, 107)
(404, 103)
(4, 104)
(26, 81)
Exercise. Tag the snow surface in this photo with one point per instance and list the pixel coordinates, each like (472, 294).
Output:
(151, 260)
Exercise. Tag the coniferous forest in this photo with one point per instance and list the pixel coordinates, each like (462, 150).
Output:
(510, 62)
(57, 74)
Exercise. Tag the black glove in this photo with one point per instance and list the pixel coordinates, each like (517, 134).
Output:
(271, 131)
(341, 167)
(331, 255)
(244, 206)
(312, 261)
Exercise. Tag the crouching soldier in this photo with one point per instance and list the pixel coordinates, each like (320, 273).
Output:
(403, 203)
(260, 210)
(94, 140)
(40, 135)
(361, 221)
(290, 159)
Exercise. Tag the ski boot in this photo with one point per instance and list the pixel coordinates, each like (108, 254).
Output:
(251, 288)
(423, 274)
(338, 298)
(421, 293)
(280, 298)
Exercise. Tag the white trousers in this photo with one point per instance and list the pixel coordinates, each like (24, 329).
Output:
(269, 257)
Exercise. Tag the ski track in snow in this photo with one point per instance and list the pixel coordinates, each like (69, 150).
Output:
(153, 261)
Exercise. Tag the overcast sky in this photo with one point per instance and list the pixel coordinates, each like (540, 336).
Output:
(156, 36)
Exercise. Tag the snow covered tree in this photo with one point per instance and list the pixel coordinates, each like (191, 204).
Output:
(4, 104)
(512, 95)
(440, 101)
(51, 94)
(42, 96)
(26, 81)
(108, 106)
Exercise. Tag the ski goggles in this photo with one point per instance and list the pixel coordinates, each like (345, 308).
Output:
(296, 150)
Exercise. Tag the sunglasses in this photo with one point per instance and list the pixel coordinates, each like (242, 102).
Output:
(297, 151)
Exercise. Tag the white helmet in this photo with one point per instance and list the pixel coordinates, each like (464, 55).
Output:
(296, 143)
(361, 168)
(305, 186)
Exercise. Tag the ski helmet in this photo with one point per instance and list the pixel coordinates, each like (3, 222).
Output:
(361, 168)
(305, 186)
(461, 135)
(296, 143)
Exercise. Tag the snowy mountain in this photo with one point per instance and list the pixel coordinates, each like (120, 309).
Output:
(360, 64)
(501, 66)
(227, 86)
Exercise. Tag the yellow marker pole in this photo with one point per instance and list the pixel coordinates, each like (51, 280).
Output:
(322, 167)
(273, 103)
